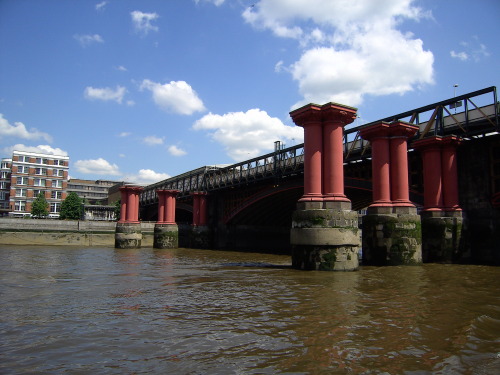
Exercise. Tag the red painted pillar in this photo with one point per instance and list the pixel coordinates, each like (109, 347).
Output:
(129, 204)
(400, 189)
(123, 209)
(309, 117)
(161, 205)
(203, 209)
(334, 117)
(430, 149)
(196, 209)
(449, 173)
(378, 136)
(166, 206)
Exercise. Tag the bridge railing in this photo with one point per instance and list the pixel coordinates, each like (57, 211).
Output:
(433, 119)
(440, 118)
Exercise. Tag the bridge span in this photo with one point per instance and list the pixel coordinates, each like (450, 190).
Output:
(249, 204)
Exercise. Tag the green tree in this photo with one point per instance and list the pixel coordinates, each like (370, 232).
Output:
(72, 207)
(40, 207)
(118, 209)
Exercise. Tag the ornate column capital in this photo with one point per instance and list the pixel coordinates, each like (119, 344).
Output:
(308, 114)
(333, 112)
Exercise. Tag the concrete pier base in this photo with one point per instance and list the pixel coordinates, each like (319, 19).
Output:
(392, 236)
(200, 237)
(325, 239)
(166, 236)
(441, 236)
(128, 235)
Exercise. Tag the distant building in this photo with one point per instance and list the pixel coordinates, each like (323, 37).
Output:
(34, 173)
(5, 166)
(93, 192)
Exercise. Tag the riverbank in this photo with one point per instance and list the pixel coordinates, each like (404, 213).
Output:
(64, 232)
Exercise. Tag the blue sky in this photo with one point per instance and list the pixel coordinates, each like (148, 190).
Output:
(143, 90)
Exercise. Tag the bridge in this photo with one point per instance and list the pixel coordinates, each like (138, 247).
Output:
(250, 203)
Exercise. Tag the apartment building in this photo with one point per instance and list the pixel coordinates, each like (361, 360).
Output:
(34, 173)
(5, 166)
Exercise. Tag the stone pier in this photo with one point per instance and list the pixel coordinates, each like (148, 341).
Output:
(128, 234)
(166, 232)
(392, 227)
(324, 234)
(442, 219)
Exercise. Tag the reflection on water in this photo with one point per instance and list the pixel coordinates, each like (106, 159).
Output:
(106, 311)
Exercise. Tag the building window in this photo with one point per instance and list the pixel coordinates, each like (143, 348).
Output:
(4, 174)
(20, 192)
(3, 185)
(56, 195)
(55, 207)
(57, 183)
(22, 169)
(41, 171)
(20, 206)
(22, 180)
(23, 159)
(58, 172)
(36, 193)
(39, 182)
(4, 165)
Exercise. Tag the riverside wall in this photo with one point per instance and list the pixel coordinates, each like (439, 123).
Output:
(49, 232)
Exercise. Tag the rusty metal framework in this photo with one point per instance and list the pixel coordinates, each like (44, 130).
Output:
(433, 119)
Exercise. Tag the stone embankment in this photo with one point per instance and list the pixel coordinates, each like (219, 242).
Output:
(64, 232)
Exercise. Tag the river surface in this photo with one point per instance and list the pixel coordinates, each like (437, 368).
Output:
(184, 311)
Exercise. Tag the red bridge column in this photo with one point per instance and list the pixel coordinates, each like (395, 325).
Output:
(309, 117)
(166, 206)
(400, 188)
(442, 217)
(334, 117)
(129, 204)
(166, 232)
(450, 173)
(430, 149)
(128, 233)
(378, 136)
(391, 229)
(324, 233)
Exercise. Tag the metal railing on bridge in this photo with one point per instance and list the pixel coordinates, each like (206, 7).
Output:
(433, 119)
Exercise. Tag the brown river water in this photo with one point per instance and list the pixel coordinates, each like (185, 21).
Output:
(183, 311)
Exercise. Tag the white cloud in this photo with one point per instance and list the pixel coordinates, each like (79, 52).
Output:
(247, 134)
(19, 130)
(101, 5)
(124, 134)
(146, 177)
(152, 140)
(41, 149)
(459, 55)
(143, 21)
(176, 96)
(471, 50)
(176, 151)
(105, 94)
(121, 68)
(215, 2)
(352, 47)
(86, 40)
(97, 166)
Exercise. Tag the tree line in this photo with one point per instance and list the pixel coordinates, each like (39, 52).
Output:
(72, 208)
